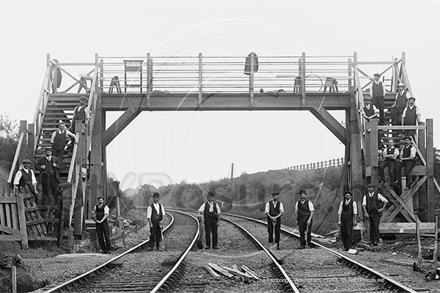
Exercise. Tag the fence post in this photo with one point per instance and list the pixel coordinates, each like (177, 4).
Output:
(200, 79)
(22, 222)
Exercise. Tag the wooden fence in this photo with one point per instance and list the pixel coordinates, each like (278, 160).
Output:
(319, 165)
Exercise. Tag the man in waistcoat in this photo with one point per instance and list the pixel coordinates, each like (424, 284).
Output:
(100, 215)
(59, 140)
(378, 92)
(411, 116)
(49, 176)
(373, 204)
(155, 214)
(407, 159)
(211, 215)
(390, 154)
(26, 177)
(347, 214)
(369, 111)
(399, 105)
(80, 113)
(304, 211)
(274, 209)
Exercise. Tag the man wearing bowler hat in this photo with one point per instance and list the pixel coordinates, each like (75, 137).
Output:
(26, 177)
(50, 178)
(155, 214)
(304, 211)
(378, 92)
(274, 209)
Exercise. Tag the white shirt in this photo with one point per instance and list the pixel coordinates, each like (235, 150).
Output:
(18, 176)
(156, 206)
(395, 154)
(311, 208)
(379, 196)
(211, 208)
(267, 209)
(355, 209)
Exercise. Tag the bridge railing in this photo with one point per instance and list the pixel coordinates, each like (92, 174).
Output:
(319, 165)
(224, 74)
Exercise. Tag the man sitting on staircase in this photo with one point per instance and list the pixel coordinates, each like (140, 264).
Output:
(59, 140)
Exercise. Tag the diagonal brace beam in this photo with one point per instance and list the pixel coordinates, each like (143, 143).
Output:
(331, 123)
(123, 121)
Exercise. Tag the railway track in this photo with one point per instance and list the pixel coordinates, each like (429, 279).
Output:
(320, 269)
(139, 270)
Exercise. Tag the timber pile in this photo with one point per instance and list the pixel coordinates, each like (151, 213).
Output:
(244, 274)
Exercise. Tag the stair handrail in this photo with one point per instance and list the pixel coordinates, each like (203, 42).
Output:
(15, 161)
(359, 100)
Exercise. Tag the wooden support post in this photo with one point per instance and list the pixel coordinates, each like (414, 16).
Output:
(14, 277)
(78, 199)
(200, 98)
(430, 158)
(303, 79)
(357, 183)
(101, 74)
(96, 158)
(22, 222)
(31, 141)
(350, 70)
(23, 150)
(149, 78)
(374, 149)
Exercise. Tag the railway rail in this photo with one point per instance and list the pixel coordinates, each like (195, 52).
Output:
(321, 269)
(139, 270)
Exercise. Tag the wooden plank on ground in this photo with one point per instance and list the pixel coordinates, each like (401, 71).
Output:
(212, 272)
(237, 272)
(220, 270)
(406, 227)
(251, 272)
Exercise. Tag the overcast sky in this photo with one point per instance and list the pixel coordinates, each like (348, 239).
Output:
(165, 147)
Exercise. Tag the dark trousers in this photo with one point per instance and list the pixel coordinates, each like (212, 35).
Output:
(50, 188)
(374, 227)
(211, 227)
(103, 233)
(156, 235)
(409, 165)
(270, 230)
(59, 153)
(379, 102)
(391, 164)
(396, 116)
(302, 224)
(347, 231)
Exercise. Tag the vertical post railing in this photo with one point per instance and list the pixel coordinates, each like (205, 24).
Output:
(350, 69)
(200, 79)
(251, 79)
(303, 79)
(149, 79)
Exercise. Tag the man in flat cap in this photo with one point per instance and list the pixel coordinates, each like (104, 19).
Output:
(411, 116)
(274, 209)
(26, 177)
(399, 105)
(347, 215)
(378, 92)
(59, 140)
(373, 204)
(155, 214)
(369, 111)
(304, 210)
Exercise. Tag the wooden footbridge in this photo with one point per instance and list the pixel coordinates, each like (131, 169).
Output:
(317, 84)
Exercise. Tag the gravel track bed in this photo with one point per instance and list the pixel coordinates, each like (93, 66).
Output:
(142, 270)
(234, 248)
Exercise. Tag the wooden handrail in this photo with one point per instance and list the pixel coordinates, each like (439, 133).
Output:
(42, 104)
(17, 153)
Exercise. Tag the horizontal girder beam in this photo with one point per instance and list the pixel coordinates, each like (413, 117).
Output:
(225, 102)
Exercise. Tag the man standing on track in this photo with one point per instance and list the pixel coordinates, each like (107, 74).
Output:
(304, 210)
(347, 214)
(211, 214)
(155, 214)
(274, 209)
(100, 214)
(373, 205)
